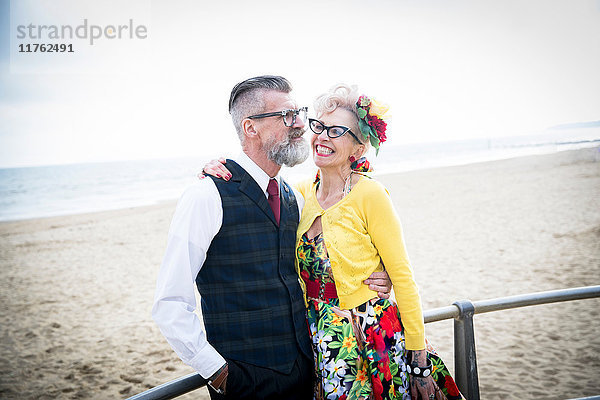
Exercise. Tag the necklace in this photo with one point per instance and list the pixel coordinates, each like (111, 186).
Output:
(347, 184)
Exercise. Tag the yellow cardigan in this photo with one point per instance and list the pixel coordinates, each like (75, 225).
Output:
(361, 231)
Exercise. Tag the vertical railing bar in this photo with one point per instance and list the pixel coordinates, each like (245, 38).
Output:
(465, 357)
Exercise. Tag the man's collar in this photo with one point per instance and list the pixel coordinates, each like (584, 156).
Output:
(255, 171)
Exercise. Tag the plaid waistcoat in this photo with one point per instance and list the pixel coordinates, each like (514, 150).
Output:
(252, 303)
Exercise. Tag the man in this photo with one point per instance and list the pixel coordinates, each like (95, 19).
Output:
(235, 239)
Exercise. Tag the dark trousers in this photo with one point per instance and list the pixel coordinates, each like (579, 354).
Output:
(247, 381)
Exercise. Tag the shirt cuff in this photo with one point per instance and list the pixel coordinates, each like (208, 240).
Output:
(415, 341)
(207, 361)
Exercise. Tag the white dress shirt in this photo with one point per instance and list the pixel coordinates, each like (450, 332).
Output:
(197, 219)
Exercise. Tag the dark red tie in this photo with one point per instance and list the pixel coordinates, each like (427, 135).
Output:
(273, 199)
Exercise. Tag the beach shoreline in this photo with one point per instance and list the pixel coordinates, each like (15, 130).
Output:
(78, 289)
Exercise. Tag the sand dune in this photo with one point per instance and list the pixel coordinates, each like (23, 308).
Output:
(77, 291)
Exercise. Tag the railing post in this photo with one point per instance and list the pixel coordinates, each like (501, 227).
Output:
(465, 359)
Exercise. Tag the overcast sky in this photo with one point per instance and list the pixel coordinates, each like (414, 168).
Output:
(449, 69)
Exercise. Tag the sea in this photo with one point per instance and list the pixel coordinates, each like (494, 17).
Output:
(34, 192)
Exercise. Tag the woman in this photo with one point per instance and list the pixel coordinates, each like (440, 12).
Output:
(364, 346)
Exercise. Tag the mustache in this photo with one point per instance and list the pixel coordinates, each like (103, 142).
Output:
(296, 133)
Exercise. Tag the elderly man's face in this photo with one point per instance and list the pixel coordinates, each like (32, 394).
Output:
(284, 145)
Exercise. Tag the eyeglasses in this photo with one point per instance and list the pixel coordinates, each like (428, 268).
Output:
(289, 116)
(332, 131)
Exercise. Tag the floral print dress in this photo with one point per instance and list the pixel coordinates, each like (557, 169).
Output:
(359, 353)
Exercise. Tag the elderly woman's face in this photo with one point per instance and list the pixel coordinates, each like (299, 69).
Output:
(334, 152)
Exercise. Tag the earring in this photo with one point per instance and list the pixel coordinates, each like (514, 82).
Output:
(352, 159)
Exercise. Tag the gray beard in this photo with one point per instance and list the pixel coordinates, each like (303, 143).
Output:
(288, 152)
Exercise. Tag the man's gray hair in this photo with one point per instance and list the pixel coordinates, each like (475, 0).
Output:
(247, 97)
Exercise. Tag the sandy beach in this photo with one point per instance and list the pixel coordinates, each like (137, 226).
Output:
(76, 291)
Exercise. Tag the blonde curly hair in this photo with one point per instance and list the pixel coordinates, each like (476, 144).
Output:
(341, 96)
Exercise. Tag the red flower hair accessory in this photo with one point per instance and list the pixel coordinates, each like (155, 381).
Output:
(371, 120)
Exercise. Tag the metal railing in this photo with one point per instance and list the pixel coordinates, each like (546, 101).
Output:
(465, 360)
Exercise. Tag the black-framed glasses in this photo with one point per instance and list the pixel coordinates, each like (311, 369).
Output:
(289, 116)
(332, 131)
